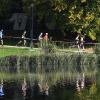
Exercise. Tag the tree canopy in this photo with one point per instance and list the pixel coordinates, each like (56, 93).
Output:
(62, 16)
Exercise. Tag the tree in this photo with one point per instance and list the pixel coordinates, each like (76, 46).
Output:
(62, 16)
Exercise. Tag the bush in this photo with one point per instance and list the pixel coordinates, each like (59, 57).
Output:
(97, 48)
(49, 48)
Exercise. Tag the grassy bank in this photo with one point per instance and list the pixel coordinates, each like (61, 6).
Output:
(18, 51)
(27, 51)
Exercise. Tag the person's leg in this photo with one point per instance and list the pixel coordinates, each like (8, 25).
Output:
(2, 42)
(19, 42)
(24, 42)
(83, 46)
(79, 46)
(41, 43)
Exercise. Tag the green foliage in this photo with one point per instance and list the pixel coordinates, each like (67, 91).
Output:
(93, 89)
(80, 16)
(8, 7)
(97, 48)
(63, 16)
(48, 47)
(88, 94)
(4, 7)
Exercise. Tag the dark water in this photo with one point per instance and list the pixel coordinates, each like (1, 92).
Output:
(81, 87)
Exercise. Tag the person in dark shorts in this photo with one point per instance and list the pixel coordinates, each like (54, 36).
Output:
(77, 40)
(23, 39)
(82, 41)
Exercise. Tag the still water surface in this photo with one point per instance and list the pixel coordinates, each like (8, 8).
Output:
(50, 87)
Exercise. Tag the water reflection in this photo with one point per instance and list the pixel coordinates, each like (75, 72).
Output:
(80, 82)
(1, 89)
(24, 88)
(70, 89)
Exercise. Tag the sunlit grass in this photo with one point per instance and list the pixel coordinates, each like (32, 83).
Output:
(27, 51)
(18, 51)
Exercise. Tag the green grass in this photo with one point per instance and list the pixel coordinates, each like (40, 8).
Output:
(18, 51)
(27, 51)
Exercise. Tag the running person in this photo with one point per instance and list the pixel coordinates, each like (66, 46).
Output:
(45, 38)
(23, 39)
(1, 35)
(77, 39)
(40, 38)
(82, 41)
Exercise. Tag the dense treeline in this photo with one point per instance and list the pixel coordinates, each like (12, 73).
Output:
(58, 16)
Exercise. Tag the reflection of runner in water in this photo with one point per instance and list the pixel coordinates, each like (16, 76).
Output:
(1, 89)
(23, 39)
(46, 89)
(80, 82)
(24, 87)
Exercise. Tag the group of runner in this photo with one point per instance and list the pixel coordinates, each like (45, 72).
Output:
(80, 39)
(43, 39)
(23, 38)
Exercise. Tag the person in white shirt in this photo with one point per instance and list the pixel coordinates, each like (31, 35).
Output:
(77, 39)
(40, 38)
(1, 36)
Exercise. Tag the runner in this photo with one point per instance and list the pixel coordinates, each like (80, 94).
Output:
(23, 39)
(82, 41)
(77, 39)
(45, 38)
(1, 35)
(40, 38)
